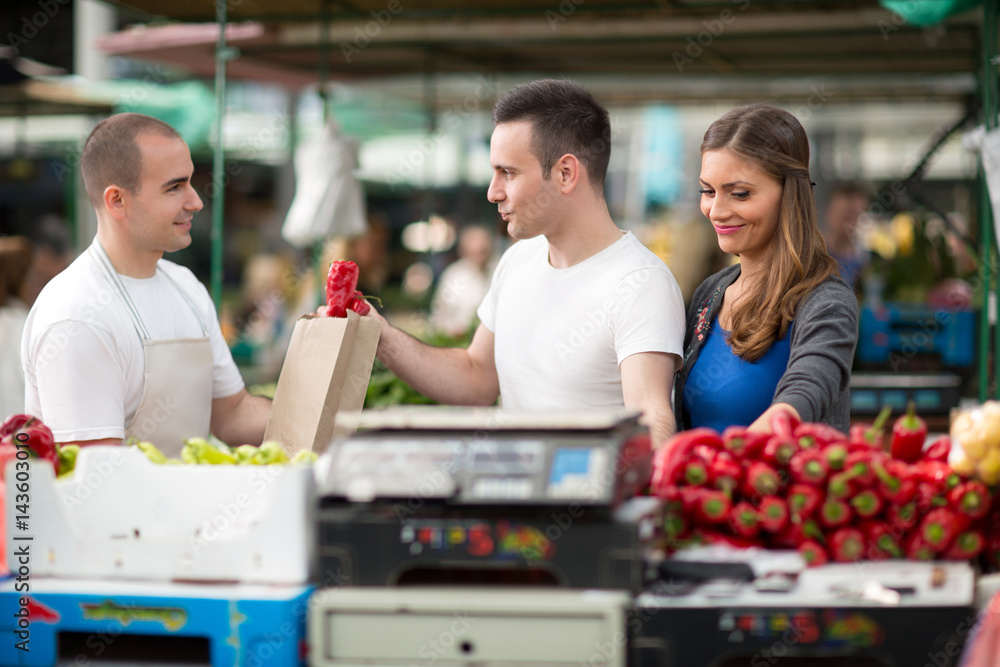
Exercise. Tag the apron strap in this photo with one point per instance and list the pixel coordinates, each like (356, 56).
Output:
(98, 252)
(101, 255)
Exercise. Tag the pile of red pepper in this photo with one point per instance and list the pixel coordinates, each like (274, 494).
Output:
(832, 496)
(28, 432)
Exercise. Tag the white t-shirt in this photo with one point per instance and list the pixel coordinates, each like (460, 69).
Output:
(560, 334)
(83, 359)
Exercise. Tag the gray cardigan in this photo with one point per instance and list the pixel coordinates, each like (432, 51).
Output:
(817, 379)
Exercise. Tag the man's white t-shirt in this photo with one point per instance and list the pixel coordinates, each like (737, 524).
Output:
(83, 359)
(560, 334)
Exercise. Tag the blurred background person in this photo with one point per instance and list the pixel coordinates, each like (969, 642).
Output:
(51, 253)
(844, 239)
(463, 284)
(15, 263)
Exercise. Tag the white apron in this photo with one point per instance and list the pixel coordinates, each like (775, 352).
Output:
(176, 401)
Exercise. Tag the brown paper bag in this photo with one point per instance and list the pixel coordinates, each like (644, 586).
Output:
(326, 370)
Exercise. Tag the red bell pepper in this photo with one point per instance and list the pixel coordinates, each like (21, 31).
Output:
(971, 499)
(810, 434)
(939, 527)
(813, 553)
(797, 532)
(880, 540)
(14, 423)
(761, 480)
(772, 514)
(967, 545)
(744, 444)
(708, 536)
(804, 500)
(908, 435)
(916, 548)
(358, 304)
(695, 473)
(868, 436)
(783, 424)
(895, 480)
(841, 485)
(939, 450)
(866, 504)
(670, 458)
(858, 466)
(779, 450)
(712, 507)
(847, 545)
(809, 467)
(743, 520)
(937, 473)
(835, 455)
(341, 284)
(28, 430)
(903, 517)
(726, 472)
(834, 513)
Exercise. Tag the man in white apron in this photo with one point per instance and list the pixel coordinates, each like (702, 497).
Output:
(124, 343)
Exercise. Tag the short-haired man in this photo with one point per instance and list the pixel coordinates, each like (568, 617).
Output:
(580, 315)
(124, 343)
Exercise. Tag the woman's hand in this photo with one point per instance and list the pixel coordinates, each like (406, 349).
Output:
(763, 423)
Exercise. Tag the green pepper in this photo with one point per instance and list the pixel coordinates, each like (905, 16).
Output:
(244, 454)
(270, 452)
(67, 458)
(202, 451)
(151, 451)
(305, 456)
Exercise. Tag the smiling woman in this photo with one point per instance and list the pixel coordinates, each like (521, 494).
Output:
(777, 332)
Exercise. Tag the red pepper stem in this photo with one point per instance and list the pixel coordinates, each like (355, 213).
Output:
(880, 420)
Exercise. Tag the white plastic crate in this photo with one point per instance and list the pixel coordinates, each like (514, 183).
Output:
(121, 516)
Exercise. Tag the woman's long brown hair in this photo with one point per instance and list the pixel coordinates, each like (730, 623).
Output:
(774, 140)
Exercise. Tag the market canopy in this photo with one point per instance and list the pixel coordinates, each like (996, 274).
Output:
(658, 49)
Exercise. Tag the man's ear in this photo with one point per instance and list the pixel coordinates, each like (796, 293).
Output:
(116, 201)
(568, 171)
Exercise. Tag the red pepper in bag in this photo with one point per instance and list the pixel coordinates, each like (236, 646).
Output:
(847, 545)
(808, 467)
(939, 450)
(908, 435)
(971, 499)
(341, 285)
(358, 304)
